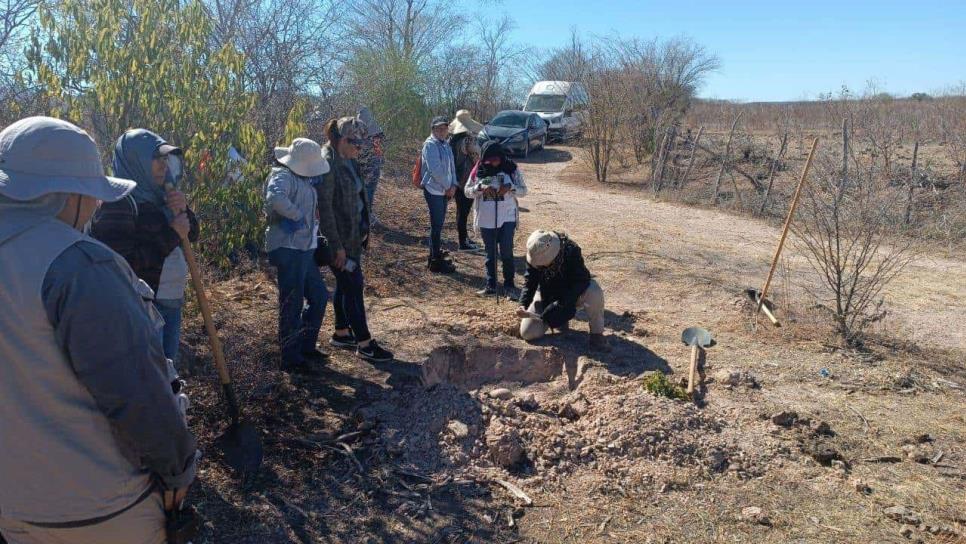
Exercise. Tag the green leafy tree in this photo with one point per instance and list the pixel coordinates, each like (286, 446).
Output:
(113, 65)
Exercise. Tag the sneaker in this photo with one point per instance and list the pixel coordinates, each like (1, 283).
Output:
(511, 293)
(486, 292)
(469, 245)
(599, 343)
(347, 341)
(441, 266)
(315, 356)
(374, 353)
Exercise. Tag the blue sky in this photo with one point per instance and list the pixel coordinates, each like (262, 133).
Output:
(779, 50)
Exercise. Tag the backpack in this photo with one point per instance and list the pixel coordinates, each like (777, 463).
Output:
(417, 178)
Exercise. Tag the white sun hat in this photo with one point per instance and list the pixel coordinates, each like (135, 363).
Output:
(304, 157)
(43, 155)
(464, 122)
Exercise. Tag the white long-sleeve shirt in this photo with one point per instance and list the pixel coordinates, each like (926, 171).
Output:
(490, 214)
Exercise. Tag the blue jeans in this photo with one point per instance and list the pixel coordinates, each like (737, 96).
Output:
(437, 216)
(170, 310)
(371, 191)
(502, 239)
(301, 302)
(349, 304)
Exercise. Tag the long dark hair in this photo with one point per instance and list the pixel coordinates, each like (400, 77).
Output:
(332, 132)
(494, 149)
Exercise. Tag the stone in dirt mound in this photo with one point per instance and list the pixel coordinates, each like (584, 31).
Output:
(469, 367)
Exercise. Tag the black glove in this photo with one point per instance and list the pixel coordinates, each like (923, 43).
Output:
(557, 317)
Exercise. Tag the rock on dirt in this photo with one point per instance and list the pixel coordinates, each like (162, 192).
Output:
(727, 376)
(822, 451)
(903, 515)
(501, 393)
(504, 445)
(755, 514)
(458, 428)
(785, 419)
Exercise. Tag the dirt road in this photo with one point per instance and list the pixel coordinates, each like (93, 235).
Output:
(702, 258)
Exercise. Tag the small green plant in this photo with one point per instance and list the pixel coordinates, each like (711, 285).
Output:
(658, 384)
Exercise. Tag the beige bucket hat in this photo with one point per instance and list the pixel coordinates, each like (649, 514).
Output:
(542, 248)
(43, 155)
(304, 157)
(464, 122)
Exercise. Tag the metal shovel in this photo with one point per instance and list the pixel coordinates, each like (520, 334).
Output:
(698, 339)
(240, 443)
(766, 306)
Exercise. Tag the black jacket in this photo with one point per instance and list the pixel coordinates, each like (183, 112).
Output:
(141, 234)
(563, 282)
(463, 162)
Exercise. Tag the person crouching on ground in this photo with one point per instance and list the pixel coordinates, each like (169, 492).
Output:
(291, 240)
(95, 445)
(147, 227)
(495, 184)
(439, 185)
(463, 131)
(344, 212)
(557, 284)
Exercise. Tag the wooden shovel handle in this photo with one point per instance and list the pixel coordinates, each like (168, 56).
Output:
(213, 339)
(788, 223)
(693, 369)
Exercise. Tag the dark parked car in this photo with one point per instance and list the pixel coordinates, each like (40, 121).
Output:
(518, 131)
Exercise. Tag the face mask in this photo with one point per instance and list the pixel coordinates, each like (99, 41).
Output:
(175, 166)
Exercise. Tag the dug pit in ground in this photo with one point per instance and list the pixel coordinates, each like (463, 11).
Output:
(473, 365)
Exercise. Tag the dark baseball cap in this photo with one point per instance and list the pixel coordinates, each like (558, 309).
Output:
(439, 120)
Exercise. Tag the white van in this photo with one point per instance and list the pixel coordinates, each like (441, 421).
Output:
(561, 104)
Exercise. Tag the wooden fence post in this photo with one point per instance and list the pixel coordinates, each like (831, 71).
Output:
(912, 183)
(725, 159)
(782, 145)
(694, 149)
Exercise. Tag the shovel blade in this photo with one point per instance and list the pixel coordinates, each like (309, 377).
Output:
(696, 336)
(755, 296)
(241, 447)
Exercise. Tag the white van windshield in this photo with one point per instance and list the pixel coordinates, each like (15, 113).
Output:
(545, 102)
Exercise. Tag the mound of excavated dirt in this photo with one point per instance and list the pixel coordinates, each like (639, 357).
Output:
(544, 431)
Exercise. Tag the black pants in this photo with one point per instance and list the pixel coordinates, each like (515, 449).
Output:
(348, 302)
(463, 208)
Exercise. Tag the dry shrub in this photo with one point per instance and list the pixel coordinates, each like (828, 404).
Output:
(850, 231)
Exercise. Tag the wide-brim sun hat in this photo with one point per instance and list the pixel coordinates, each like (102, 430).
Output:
(43, 155)
(542, 248)
(304, 157)
(464, 122)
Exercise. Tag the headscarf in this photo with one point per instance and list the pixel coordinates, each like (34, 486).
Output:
(494, 149)
(133, 154)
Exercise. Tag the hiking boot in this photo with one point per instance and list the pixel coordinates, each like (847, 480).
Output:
(374, 353)
(441, 266)
(487, 291)
(347, 341)
(511, 293)
(469, 245)
(298, 367)
(315, 356)
(599, 343)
